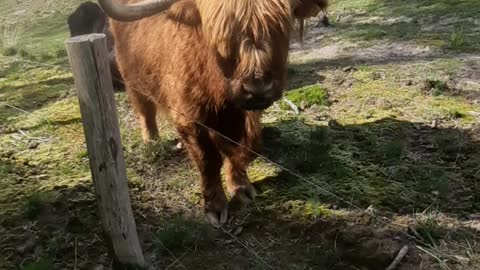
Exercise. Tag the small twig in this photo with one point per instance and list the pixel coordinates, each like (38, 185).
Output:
(416, 234)
(442, 264)
(401, 254)
(33, 138)
(254, 238)
(15, 108)
(247, 248)
(292, 106)
(177, 260)
(458, 153)
(476, 114)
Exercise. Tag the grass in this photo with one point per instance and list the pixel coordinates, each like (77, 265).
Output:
(9, 51)
(43, 264)
(436, 87)
(8, 35)
(371, 142)
(308, 96)
(180, 233)
(155, 151)
(430, 229)
(34, 206)
(426, 22)
(458, 38)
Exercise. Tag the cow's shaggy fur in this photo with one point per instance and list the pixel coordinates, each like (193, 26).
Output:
(191, 62)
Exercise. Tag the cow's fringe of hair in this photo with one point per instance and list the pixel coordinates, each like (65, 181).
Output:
(222, 19)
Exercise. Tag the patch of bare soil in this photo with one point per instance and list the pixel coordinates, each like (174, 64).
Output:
(349, 53)
(468, 79)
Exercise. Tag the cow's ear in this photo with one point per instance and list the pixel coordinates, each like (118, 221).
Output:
(303, 9)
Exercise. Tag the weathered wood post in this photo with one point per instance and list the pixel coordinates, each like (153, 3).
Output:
(88, 58)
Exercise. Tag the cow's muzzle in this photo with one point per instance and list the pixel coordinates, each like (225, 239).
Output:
(260, 94)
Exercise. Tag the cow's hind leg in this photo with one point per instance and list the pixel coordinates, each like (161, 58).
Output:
(146, 111)
(209, 163)
(238, 158)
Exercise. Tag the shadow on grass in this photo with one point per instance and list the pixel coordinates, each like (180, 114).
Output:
(65, 229)
(395, 166)
(35, 93)
(427, 21)
(311, 66)
(30, 99)
(303, 75)
(392, 165)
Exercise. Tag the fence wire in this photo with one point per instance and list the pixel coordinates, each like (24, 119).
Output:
(385, 221)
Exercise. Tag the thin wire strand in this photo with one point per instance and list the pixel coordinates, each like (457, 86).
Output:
(16, 108)
(177, 260)
(16, 59)
(246, 247)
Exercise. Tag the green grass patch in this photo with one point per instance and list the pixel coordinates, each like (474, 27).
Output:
(180, 233)
(302, 75)
(457, 40)
(430, 229)
(156, 150)
(447, 108)
(393, 150)
(308, 96)
(10, 51)
(426, 22)
(34, 205)
(436, 87)
(42, 264)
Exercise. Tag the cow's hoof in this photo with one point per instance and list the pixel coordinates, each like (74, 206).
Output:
(216, 206)
(217, 219)
(243, 194)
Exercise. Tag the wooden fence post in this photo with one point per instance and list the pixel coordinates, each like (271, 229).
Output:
(88, 58)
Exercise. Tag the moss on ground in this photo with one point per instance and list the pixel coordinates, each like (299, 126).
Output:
(308, 96)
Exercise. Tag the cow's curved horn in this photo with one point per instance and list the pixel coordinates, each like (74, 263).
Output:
(134, 12)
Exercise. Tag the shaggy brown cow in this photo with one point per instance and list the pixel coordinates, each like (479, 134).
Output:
(304, 11)
(215, 63)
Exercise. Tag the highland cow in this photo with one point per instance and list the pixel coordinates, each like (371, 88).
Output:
(207, 63)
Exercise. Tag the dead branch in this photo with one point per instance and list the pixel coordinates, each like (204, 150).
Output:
(399, 258)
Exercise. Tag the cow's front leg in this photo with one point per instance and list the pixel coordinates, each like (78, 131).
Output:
(209, 163)
(238, 183)
(239, 156)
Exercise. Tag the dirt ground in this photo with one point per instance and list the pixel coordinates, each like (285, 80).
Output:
(383, 153)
